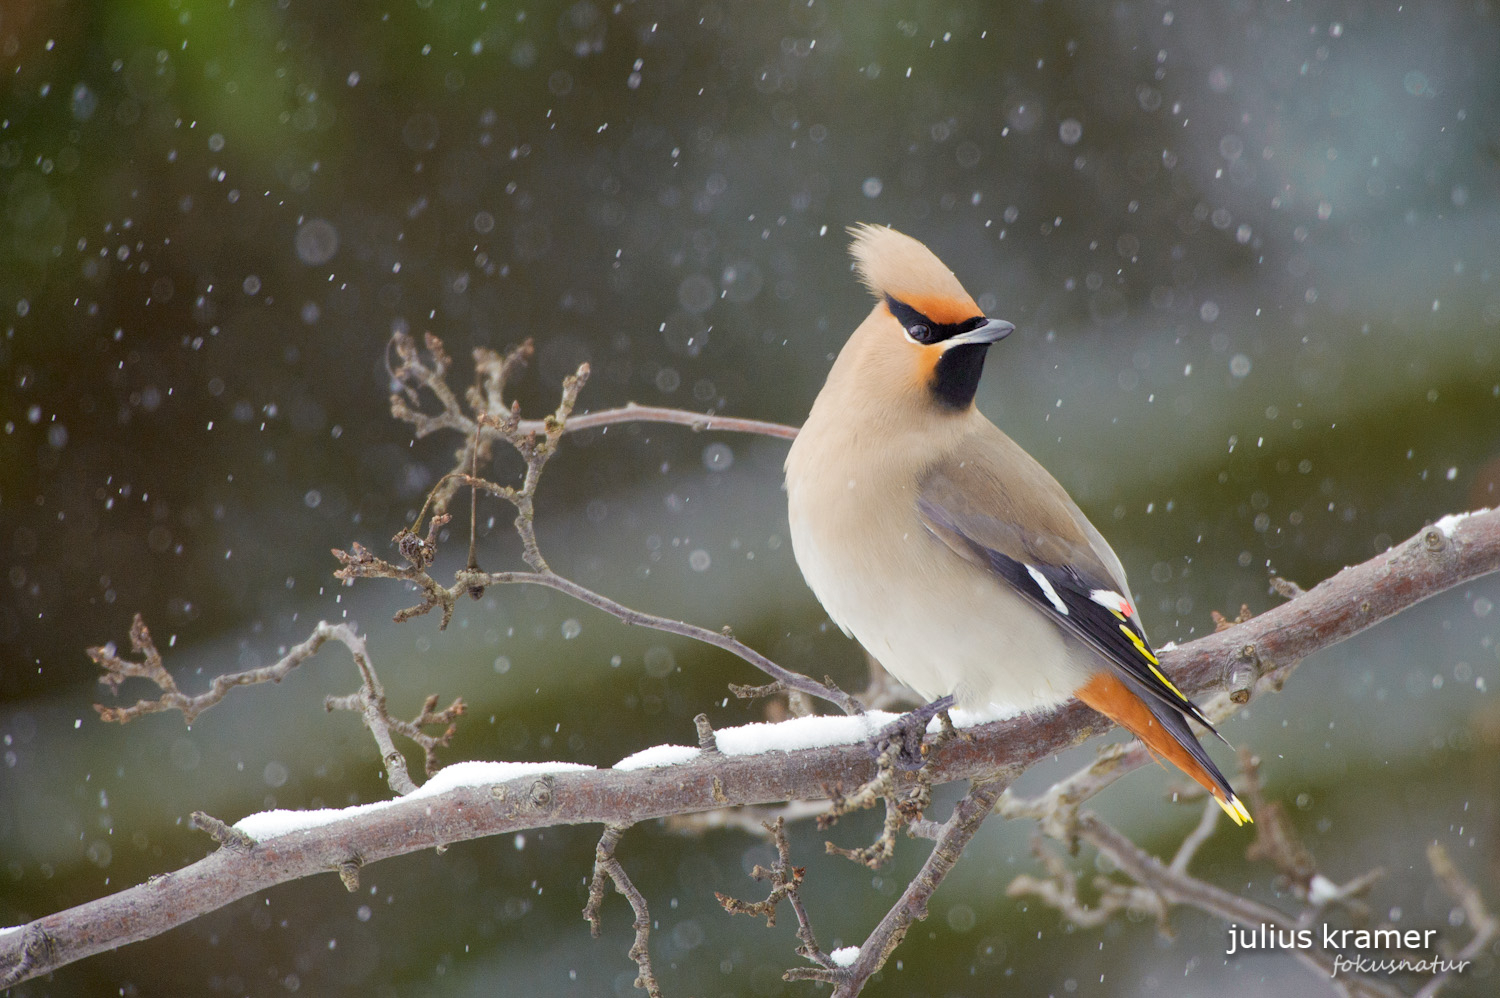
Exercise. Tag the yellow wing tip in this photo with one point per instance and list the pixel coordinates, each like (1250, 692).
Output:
(1168, 683)
(1236, 810)
(1140, 646)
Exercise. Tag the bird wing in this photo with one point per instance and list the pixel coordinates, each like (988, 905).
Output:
(1059, 563)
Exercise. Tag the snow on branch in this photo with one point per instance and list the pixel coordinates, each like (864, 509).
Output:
(752, 767)
(1259, 654)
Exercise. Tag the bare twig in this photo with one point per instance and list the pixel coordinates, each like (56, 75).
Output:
(786, 885)
(1157, 886)
(473, 563)
(1060, 890)
(1351, 601)
(369, 701)
(632, 413)
(117, 670)
(877, 853)
(1056, 810)
(1179, 888)
(536, 441)
(757, 692)
(372, 567)
(418, 553)
(911, 907)
(751, 820)
(1196, 837)
(907, 795)
(495, 372)
(1276, 841)
(924, 828)
(411, 374)
(607, 865)
(224, 834)
(1484, 924)
(1058, 817)
(826, 690)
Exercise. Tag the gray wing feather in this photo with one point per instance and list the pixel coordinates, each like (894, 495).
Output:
(996, 487)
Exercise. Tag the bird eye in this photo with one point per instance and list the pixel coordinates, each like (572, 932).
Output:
(919, 332)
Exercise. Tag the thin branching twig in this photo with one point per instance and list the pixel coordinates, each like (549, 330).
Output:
(536, 441)
(1357, 598)
(368, 701)
(117, 670)
(1241, 661)
(1481, 921)
(1155, 887)
(968, 814)
(607, 867)
(786, 885)
(1184, 889)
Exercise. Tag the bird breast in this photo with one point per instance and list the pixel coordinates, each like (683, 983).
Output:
(938, 623)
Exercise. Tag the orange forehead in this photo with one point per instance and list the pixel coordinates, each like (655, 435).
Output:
(942, 309)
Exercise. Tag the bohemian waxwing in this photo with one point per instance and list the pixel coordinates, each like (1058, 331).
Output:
(948, 551)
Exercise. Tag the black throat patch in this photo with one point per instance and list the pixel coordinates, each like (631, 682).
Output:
(955, 378)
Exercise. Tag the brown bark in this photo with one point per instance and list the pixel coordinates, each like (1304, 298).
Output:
(1251, 657)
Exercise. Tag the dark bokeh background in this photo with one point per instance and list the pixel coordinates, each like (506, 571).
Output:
(1249, 249)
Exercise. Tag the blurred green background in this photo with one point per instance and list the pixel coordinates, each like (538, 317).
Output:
(1250, 252)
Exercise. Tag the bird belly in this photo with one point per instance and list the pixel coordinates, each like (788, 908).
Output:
(937, 623)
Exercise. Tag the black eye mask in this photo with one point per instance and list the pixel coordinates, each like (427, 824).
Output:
(923, 329)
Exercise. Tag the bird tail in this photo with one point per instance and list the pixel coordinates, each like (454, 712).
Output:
(1165, 732)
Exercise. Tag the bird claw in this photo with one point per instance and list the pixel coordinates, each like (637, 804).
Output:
(906, 733)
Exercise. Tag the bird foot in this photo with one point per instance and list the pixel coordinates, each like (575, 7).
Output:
(906, 733)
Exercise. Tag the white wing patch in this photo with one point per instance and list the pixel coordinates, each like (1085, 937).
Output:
(1113, 602)
(1047, 590)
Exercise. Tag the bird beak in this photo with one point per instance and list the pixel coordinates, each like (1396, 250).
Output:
(992, 331)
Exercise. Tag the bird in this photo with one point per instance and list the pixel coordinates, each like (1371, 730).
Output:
(946, 550)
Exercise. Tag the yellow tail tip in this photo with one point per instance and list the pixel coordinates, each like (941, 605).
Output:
(1235, 809)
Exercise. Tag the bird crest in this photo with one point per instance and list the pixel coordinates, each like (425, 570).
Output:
(894, 265)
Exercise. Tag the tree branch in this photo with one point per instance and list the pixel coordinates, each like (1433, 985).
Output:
(1157, 886)
(368, 701)
(1484, 923)
(1270, 645)
(1179, 888)
(536, 441)
(968, 814)
(698, 422)
(607, 866)
(117, 670)
(786, 885)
